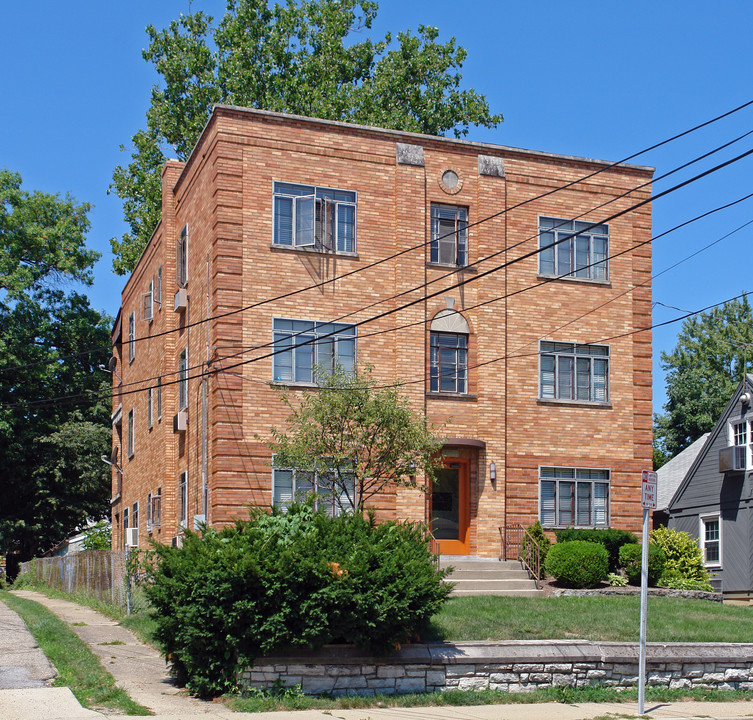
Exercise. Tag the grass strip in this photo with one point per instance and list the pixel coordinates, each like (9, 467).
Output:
(78, 668)
(289, 699)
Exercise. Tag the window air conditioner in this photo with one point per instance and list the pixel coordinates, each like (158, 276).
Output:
(181, 300)
(132, 537)
(197, 521)
(732, 459)
(180, 422)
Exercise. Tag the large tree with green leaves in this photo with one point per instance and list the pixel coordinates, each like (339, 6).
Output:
(52, 477)
(712, 353)
(353, 438)
(308, 57)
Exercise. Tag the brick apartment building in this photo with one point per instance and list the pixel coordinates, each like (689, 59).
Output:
(534, 370)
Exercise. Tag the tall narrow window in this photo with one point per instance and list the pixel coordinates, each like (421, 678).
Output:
(135, 515)
(181, 259)
(157, 508)
(564, 253)
(149, 510)
(183, 499)
(149, 408)
(159, 399)
(449, 235)
(448, 352)
(711, 539)
(131, 443)
(158, 288)
(125, 527)
(183, 380)
(739, 440)
(131, 337)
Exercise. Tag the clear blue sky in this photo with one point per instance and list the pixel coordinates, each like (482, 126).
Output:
(596, 79)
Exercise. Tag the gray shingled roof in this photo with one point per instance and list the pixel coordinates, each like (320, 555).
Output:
(670, 476)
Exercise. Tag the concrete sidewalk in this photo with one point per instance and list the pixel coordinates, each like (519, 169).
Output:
(141, 671)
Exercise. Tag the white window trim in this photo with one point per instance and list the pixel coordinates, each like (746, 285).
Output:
(748, 425)
(702, 519)
(607, 481)
(317, 246)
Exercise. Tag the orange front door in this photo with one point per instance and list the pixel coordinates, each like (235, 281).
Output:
(450, 507)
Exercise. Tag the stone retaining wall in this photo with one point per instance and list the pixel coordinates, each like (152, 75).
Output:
(515, 666)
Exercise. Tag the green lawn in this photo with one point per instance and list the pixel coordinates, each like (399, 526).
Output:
(78, 668)
(598, 617)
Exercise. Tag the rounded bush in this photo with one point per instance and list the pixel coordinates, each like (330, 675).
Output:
(578, 564)
(286, 580)
(611, 538)
(631, 559)
(684, 559)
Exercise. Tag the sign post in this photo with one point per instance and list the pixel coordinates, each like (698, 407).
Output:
(648, 502)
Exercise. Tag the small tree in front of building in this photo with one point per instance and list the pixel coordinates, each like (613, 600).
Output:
(353, 438)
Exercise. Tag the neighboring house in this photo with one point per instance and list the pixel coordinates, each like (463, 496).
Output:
(535, 371)
(670, 476)
(714, 502)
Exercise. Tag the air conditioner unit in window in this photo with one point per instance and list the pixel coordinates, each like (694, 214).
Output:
(197, 521)
(732, 459)
(132, 537)
(181, 300)
(180, 422)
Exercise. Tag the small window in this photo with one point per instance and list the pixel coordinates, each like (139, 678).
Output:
(157, 509)
(183, 499)
(563, 253)
(149, 408)
(131, 337)
(181, 260)
(449, 235)
(149, 509)
(147, 303)
(158, 288)
(131, 443)
(574, 372)
(316, 217)
(573, 496)
(125, 527)
(302, 345)
(293, 485)
(183, 380)
(135, 515)
(711, 540)
(740, 436)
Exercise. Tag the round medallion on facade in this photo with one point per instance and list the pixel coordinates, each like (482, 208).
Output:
(451, 181)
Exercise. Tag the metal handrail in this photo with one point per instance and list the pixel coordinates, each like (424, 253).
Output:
(526, 549)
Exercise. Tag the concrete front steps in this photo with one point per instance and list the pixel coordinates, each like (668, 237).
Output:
(483, 576)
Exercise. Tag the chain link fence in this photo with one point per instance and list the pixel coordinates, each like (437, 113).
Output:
(99, 574)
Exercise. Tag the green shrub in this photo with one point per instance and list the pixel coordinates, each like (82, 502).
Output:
(616, 580)
(684, 559)
(631, 559)
(544, 543)
(678, 583)
(280, 581)
(578, 564)
(611, 538)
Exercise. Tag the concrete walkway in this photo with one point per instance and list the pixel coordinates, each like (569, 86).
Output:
(141, 671)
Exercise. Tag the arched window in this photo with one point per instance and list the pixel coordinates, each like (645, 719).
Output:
(448, 347)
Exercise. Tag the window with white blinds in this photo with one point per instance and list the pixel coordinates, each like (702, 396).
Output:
(569, 371)
(573, 496)
(317, 217)
(330, 494)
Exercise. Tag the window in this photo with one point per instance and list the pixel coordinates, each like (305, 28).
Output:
(147, 303)
(131, 337)
(449, 362)
(739, 438)
(181, 259)
(135, 515)
(158, 288)
(711, 539)
(289, 485)
(183, 499)
(574, 372)
(449, 235)
(125, 527)
(310, 216)
(149, 408)
(159, 399)
(149, 509)
(573, 496)
(564, 254)
(130, 433)
(183, 380)
(157, 509)
(307, 344)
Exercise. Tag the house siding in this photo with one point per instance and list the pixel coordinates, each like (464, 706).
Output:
(223, 193)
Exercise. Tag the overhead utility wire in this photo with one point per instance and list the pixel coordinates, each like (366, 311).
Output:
(120, 393)
(401, 252)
